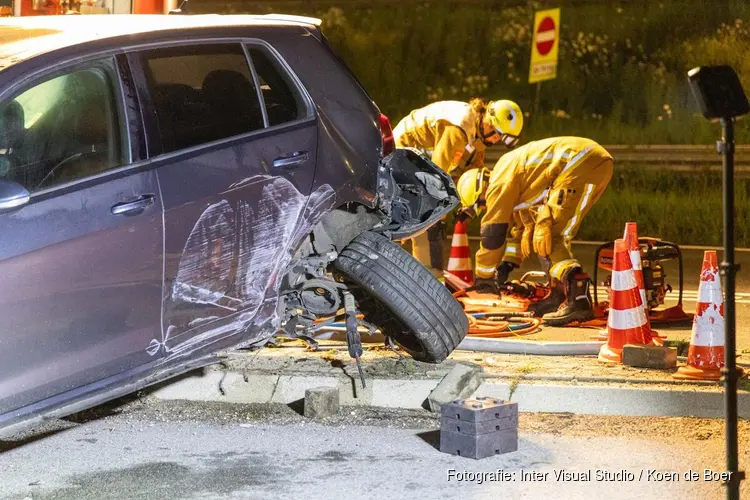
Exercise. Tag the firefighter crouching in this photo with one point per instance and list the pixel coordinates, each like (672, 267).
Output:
(542, 190)
(455, 135)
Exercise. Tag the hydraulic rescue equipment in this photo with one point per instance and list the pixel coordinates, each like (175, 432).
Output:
(521, 296)
(654, 253)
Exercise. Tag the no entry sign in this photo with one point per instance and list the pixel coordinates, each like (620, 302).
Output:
(544, 47)
(545, 36)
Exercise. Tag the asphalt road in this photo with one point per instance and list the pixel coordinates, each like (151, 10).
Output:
(198, 452)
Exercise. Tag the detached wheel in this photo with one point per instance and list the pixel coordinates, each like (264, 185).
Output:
(399, 295)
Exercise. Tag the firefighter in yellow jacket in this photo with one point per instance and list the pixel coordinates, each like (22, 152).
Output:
(454, 135)
(548, 186)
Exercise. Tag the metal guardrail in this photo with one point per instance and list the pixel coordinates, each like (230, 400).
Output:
(680, 157)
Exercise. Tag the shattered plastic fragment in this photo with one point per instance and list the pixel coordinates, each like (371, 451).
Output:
(433, 184)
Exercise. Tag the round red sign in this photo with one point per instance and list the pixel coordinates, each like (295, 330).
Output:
(545, 36)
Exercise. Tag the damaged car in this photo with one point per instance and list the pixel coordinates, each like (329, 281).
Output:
(174, 187)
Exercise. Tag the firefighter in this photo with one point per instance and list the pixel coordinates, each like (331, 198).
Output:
(455, 135)
(548, 186)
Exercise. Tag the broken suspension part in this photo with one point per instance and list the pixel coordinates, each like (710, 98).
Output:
(353, 340)
(320, 297)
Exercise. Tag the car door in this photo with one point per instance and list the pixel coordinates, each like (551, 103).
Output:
(237, 160)
(81, 261)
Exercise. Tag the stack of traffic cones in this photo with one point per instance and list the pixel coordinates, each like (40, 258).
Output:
(626, 322)
(459, 263)
(634, 250)
(631, 236)
(706, 352)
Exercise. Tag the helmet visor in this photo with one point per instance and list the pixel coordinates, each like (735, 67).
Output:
(480, 204)
(509, 140)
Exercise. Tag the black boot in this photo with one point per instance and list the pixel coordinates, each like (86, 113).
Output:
(578, 305)
(550, 303)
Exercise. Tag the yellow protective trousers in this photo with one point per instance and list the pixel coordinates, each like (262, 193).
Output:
(557, 179)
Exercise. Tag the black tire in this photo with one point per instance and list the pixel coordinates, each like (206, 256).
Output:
(402, 297)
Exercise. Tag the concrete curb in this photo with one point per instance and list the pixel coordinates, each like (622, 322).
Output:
(412, 393)
(534, 347)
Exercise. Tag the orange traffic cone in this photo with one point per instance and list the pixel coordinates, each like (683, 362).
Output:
(459, 263)
(626, 322)
(631, 236)
(706, 352)
(634, 250)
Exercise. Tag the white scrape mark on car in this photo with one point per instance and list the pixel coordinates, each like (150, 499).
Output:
(203, 275)
(267, 235)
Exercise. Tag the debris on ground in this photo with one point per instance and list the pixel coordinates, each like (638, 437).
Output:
(459, 383)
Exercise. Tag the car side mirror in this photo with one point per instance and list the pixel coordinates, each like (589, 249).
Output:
(12, 195)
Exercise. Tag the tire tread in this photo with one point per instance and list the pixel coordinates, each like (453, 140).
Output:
(433, 317)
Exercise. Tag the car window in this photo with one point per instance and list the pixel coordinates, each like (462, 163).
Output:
(62, 129)
(282, 100)
(202, 93)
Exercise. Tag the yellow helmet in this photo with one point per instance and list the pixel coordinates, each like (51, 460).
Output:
(470, 186)
(507, 118)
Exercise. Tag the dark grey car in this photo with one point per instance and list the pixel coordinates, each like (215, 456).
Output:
(175, 186)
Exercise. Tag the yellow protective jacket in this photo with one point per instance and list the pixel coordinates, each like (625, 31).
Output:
(558, 178)
(447, 131)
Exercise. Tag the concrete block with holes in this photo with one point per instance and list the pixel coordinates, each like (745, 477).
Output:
(479, 428)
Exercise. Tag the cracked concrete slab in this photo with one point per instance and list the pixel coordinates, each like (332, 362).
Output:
(459, 383)
(566, 385)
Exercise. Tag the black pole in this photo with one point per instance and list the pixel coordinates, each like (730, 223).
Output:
(728, 271)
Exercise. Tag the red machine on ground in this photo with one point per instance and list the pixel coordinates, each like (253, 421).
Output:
(534, 286)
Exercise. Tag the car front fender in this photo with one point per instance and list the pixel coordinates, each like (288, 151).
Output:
(413, 194)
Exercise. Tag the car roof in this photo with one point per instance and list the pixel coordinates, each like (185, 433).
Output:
(24, 37)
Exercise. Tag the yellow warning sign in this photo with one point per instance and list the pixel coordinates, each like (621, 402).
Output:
(544, 45)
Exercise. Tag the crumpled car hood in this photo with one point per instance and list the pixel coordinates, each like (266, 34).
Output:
(413, 193)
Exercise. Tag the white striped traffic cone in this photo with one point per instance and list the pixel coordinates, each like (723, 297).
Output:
(459, 263)
(626, 322)
(634, 250)
(631, 236)
(706, 352)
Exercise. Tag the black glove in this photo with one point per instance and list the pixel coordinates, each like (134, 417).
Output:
(504, 270)
(464, 214)
(486, 285)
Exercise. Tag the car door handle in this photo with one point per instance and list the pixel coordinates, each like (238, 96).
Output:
(291, 160)
(133, 207)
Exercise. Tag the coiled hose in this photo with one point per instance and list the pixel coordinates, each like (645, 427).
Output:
(501, 326)
(486, 322)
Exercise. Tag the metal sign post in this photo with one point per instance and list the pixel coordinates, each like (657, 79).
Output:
(728, 272)
(720, 95)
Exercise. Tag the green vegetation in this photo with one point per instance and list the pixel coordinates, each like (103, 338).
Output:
(621, 80)
(676, 206)
(622, 72)
(681, 207)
